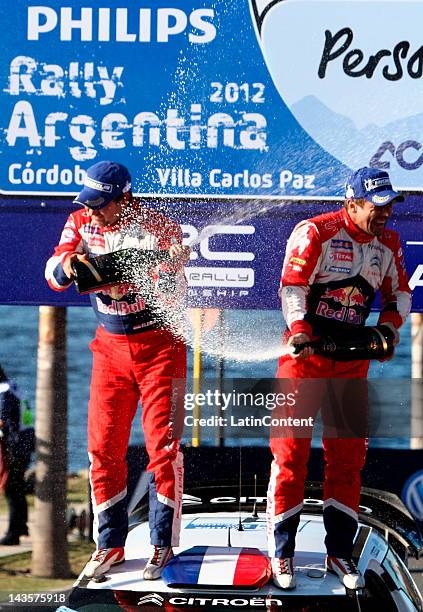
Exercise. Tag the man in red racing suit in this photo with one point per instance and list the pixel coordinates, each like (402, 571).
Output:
(134, 356)
(333, 266)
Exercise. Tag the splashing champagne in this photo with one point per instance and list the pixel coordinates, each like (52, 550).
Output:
(127, 265)
(133, 266)
(364, 343)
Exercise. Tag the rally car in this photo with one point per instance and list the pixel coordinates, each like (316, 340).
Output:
(222, 563)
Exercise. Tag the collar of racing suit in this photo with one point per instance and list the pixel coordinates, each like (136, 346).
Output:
(354, 231)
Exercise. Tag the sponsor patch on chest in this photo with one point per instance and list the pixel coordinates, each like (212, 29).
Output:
(340, 269)
(346, 245)
(93, 237)
(341, 255)
(344, 314)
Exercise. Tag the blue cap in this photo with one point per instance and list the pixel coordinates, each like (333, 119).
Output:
(372, 185)
(104, 182)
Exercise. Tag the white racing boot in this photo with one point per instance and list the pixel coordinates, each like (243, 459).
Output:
(157, 561)
(102, 560)
(283, 572)
(347, 572)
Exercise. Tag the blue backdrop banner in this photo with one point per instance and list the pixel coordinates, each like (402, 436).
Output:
(211, 98)
(235, 263)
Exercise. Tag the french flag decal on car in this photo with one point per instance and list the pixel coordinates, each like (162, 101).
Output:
(218, 566)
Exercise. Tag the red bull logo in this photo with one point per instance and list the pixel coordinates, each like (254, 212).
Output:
(347, 296)
(357, 299)
(348, 315)
(340, 295)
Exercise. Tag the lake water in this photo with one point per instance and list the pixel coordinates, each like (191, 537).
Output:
(18, 348)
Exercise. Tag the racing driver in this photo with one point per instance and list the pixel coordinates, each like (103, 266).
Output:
(134, 357)
(333, 266)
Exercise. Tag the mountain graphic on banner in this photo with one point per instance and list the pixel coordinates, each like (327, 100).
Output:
(375, 145)
(351, 75)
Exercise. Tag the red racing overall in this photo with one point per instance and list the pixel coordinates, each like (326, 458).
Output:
(134, 357)
(331, 272)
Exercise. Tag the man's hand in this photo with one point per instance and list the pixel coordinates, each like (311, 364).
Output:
(180, 253)
(301, 339)
(395, 341)
(394, 330)
(68, 261)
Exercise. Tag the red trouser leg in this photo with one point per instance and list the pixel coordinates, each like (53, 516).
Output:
(344, 457)
(285, 493)
(160, 372)
(112, 406)
(149, 365)
(290, 455)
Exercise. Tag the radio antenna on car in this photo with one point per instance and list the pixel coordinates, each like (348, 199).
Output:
(255, 514)
(229, 543)
(240, 527)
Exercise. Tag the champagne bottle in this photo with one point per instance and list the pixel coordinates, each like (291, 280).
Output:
(361, 343)
(127, 265)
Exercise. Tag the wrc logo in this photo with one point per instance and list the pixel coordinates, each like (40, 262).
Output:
(154, 598)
